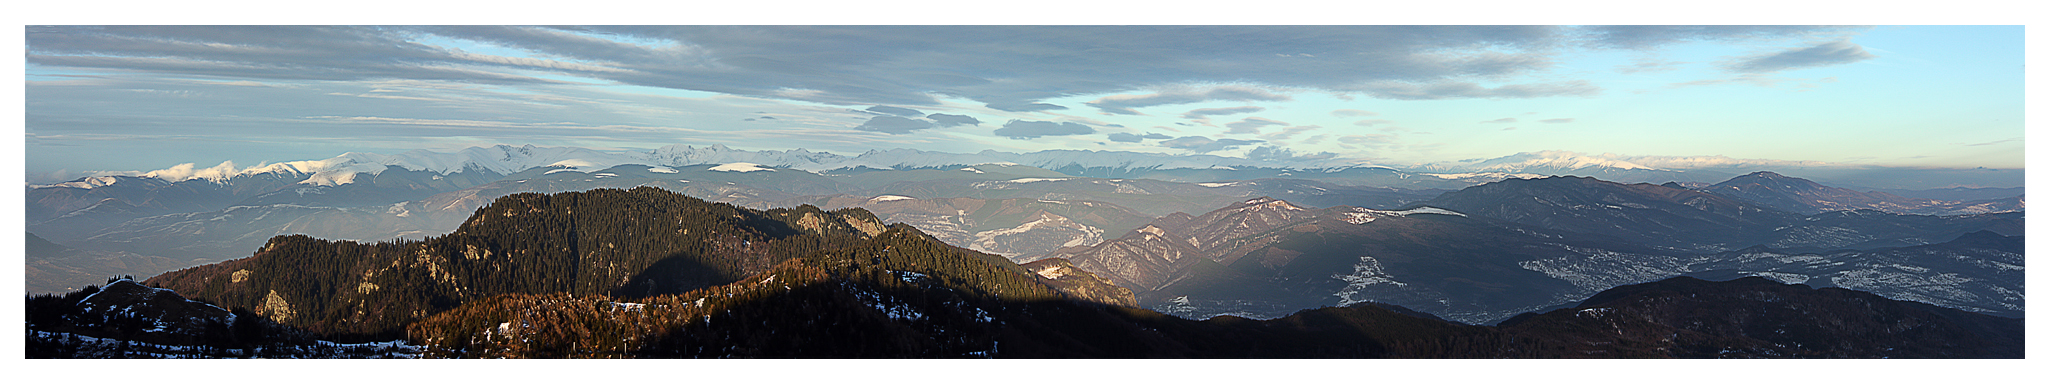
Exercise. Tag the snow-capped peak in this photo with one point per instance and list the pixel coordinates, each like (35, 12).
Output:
(83, 183)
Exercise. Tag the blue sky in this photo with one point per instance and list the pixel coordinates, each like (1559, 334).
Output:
(139, 98)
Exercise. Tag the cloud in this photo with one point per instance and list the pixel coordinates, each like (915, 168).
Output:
(1762, 80)
(1825, 54)
(1136, 138)
(1366, 139)
(1023, 106)
(1205, 113)
(1649, 67)
(946, 120)
(1313, 140)
(1023, 129)
(1372, 122)
(1509, 129)
(1200, 144)
(896, 111)
(1288, 132)
(2006, 140)
(1352, 113)
(1124, 104)
(1501, 120)
(1250, 125)
(893, 125)
(1009, 68)
(1439, 90)
(1642, 37)
(1557, 121)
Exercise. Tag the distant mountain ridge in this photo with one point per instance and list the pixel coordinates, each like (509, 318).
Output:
(1802, 196)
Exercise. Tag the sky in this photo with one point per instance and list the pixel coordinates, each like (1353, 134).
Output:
(113, 98)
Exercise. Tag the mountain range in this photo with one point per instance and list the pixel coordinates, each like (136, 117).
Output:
(651, 273)
(1245, 240)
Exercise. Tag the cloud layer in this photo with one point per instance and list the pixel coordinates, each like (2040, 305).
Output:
(1010, 68)
(1024, 129)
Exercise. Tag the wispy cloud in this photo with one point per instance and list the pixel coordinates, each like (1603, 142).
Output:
(1825, 54)
(1250, 125)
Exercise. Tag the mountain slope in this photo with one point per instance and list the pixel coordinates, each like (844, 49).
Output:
(1758, 318)
(1979, 272)
(56, 268)
(1644, 213)
(636, 243)
(1801, 196)
(1266, 258)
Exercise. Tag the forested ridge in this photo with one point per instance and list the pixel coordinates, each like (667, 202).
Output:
(628, 244)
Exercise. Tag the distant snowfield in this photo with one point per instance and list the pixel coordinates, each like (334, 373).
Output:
(884, 198)
(740, 167)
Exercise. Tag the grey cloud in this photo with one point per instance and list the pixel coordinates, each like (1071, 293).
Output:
(1352, 113)
(893, 125)
(1653, 36)
(1250, 125)
(1825, 54)
(1124, 104)
(1023, 107)
(896, 111)
(268, 52)
(1132, 138)
(1556, 121)
(1207, 112)
(1200, 144)
(1023, 129)
(946, 120)
(1501, 120)
(1009, 68)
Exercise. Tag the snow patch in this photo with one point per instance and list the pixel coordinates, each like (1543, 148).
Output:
(573, 163)
(1215, 185)
(1411, 211)
(884, 198)
(740, 167)
(661, 170)
(1032, 180)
